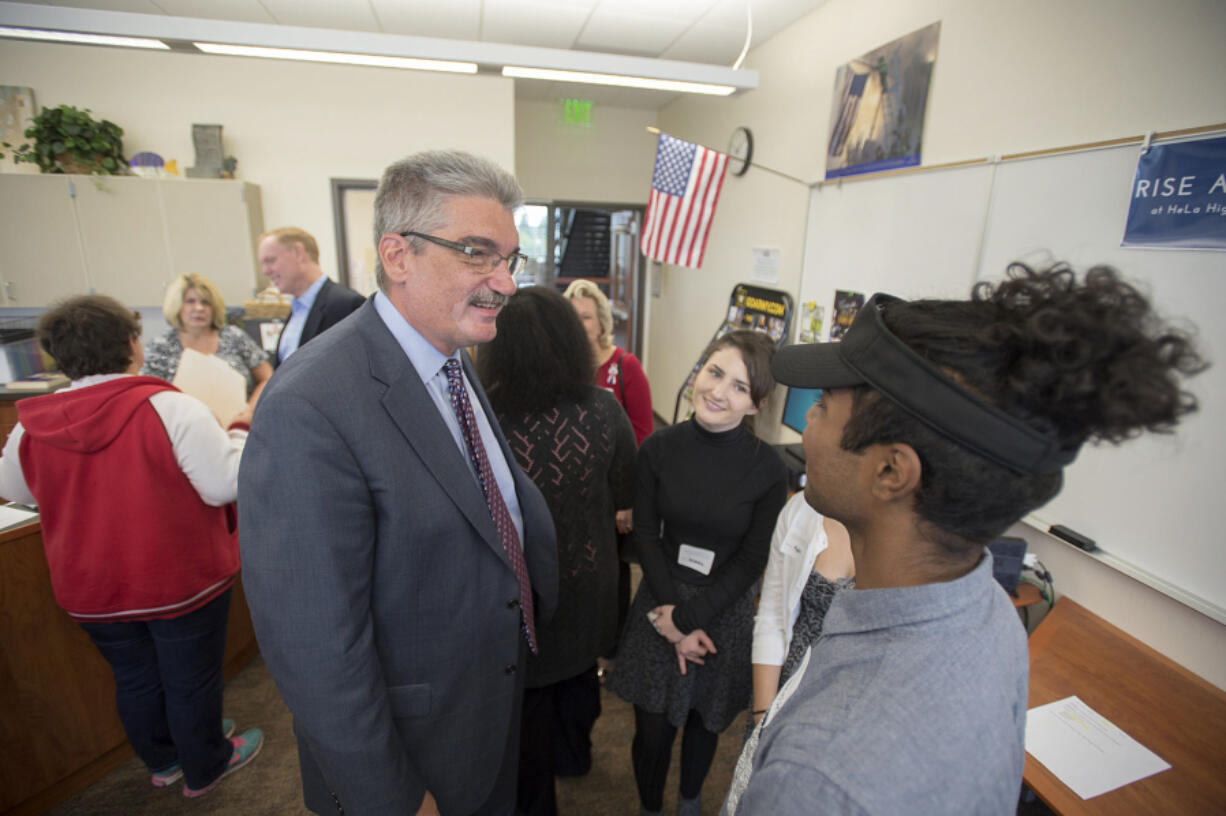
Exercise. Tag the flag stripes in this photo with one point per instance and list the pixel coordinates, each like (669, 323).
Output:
(684, 192)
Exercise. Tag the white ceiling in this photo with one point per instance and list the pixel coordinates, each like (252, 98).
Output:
(703, 31)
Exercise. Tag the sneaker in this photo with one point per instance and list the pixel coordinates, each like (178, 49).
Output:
(174, 773)
(246, 746)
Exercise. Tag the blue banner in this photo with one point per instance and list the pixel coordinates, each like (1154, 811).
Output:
(1179, 197)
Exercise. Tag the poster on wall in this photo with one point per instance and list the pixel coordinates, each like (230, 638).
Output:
(846, 305)
(16, 114)
(1179, 197)
(810, 324)
(877, 112)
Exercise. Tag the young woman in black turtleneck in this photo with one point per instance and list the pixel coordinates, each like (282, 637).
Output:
(707, 493)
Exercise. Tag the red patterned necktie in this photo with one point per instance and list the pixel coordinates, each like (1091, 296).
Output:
(493, 496)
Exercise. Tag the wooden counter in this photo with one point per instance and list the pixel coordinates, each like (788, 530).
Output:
(1168, 709)
(59, 731)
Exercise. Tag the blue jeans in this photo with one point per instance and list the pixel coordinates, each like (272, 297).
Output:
(168, 688)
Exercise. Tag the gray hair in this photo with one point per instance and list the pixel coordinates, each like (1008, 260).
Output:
(412, 193)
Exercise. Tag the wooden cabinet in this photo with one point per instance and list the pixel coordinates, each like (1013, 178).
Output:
(59, 731)
(37, 270)
(123, 236)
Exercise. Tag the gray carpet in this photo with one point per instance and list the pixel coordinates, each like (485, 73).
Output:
(270, 785)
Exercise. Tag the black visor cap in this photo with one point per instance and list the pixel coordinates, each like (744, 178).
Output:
(871, 355)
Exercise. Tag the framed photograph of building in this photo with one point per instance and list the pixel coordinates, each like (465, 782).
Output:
(877, 112)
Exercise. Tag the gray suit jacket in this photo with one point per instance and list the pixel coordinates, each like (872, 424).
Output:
(383, 601)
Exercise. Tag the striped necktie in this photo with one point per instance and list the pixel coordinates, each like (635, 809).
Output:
(493, 496)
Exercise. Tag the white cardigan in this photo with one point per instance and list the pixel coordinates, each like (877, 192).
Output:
(795, 544)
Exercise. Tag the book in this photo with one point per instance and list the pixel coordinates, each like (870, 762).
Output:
(45, 381)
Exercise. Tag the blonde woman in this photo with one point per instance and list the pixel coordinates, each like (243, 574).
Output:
(196, 313)
(617, 370)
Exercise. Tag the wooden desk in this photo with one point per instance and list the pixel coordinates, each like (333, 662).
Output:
(1154, 700)
(59, 731)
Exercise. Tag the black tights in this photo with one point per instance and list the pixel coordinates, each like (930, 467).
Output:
(652, 749)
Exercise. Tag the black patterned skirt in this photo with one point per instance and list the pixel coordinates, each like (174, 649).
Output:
(648, 676)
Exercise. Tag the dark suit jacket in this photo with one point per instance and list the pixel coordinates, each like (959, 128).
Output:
(382, 598)
(332, 305)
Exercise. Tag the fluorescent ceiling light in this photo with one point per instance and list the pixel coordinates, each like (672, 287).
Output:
(338, 57)
(88, 39)
(619, 80)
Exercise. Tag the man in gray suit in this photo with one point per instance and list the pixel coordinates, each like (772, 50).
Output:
(394, 557)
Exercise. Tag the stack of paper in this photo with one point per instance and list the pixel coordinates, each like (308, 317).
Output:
(214, 382)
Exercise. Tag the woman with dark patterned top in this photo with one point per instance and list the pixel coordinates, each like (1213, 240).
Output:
(707, 493)
(196, 313)
(576, 444)
(620, 372)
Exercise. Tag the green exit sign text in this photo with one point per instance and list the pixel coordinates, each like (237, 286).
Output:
(577, 112)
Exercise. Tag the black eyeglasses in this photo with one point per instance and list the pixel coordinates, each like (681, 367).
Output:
(481, 260)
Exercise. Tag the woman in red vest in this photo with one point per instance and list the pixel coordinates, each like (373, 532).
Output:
(134, 482)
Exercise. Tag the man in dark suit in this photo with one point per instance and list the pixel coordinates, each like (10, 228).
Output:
(394, 557)
(290, 258)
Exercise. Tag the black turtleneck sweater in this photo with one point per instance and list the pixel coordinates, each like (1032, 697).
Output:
(717, 491)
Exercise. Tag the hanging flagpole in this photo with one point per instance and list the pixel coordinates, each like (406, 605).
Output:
(656, 130)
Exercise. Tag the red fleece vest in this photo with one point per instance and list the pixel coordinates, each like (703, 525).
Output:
(127, 537)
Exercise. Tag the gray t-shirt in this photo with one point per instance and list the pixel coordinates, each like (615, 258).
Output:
(912, 701)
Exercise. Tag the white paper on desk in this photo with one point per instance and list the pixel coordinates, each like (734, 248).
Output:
(1086, 751)
(11, 515)
(214, 382)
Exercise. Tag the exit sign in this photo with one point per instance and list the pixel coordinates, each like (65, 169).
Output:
(577, 112)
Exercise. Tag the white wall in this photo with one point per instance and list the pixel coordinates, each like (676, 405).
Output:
(292, 125)
(609, 161)
(1011, 75)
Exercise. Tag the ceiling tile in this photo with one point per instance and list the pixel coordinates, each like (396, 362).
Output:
(350, 15)
(772, 16)
(651, 10)
(452, 19)
(638, 35)
(245, 11)
(531, 22)
(706, 42)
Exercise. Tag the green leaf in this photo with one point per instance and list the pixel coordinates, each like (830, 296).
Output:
(108, 163)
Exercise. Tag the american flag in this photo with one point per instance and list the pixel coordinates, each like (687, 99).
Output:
(684, 191)
(853, 92)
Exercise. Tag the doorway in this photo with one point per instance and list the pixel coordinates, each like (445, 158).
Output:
(599, 242)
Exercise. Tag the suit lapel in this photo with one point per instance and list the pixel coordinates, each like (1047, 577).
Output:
(417, 417)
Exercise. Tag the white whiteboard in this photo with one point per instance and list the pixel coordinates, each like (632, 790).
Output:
(914, 235)
(1150, 503)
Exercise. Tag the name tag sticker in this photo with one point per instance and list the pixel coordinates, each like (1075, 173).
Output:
(696, 558)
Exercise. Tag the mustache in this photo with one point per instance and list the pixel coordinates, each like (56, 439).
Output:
(489, 300)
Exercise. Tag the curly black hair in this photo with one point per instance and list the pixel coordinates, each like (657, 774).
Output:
(89, 334)
(539, 356)
(1085, 361)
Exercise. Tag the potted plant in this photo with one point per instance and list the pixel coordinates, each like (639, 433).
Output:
(68, 140)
